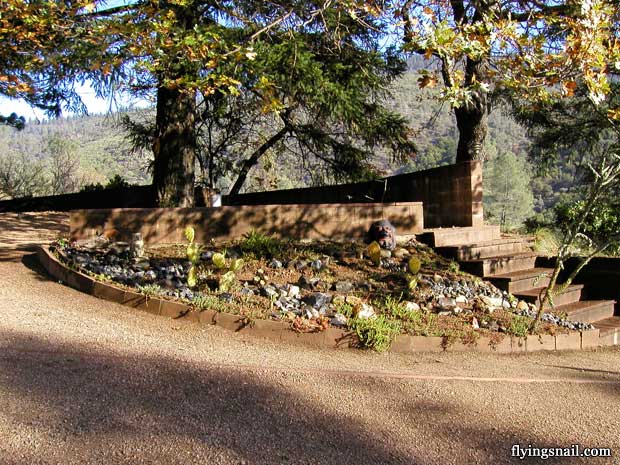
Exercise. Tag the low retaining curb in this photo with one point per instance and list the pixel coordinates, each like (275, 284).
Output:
(280, 331)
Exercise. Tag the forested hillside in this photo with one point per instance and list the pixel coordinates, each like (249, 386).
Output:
(67, 154)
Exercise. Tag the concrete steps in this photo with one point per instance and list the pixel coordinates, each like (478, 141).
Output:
(570, 295)
(501, 264)
(588, 311)
(522, 280)
(510, 264)
(609, 330)
(440, 237)
(485, 249)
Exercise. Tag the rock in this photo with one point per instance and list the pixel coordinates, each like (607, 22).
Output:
(136, 248)
(307, 283)
(207, 255)
(343, 286)
(522, 306)
(386, 253)
(317, 299)
(412, 306)
(226, 297)
(246, 291)
(461, 299)
(298, 264)
(276, 264)
(339, 320)
(150, 275)
(474, 323)
(316, 265)
(400, 253)
(493, 326)
(268, 291)
(446, 303)
(365, 312)
(293, 291)
(437, 278)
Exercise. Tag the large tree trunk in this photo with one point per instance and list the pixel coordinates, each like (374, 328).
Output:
(472, 119)
(174, 148)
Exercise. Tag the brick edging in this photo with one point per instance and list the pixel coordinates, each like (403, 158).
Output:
(279, 331)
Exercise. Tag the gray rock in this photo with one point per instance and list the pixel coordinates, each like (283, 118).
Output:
(226, 297)
(268, 291)
(276, 264)
(343, 286)
(338, 320)
(317, 299)
(316, 265)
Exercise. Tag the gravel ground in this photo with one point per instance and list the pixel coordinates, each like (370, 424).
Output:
(83, 381)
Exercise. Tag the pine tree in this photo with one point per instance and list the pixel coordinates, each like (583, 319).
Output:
(508, 197)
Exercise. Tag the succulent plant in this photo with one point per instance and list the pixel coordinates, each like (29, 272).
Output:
(374, 252)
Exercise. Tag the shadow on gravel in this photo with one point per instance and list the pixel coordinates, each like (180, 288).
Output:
(84, 399)
(164, 411)
(31, 262)
(584, 370)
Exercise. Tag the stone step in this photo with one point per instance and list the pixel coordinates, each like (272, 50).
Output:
(571, 294)
(609, 329)
(485, 249)
(442, 237)
(500, 265)
(587, 311)
(522, 280)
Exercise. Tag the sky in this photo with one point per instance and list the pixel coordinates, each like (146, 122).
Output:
(94, 105)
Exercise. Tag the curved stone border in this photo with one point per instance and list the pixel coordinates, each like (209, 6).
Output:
(280, 331)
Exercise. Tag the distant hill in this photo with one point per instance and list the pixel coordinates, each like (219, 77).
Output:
(103, 150)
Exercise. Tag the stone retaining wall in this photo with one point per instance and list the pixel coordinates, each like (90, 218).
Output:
(325, 221)
(279, 331)
(452, 194)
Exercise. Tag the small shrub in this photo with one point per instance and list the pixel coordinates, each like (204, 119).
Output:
(519, 325)
(260, 245)
(374, 253)
(149, 290)
(397, 309)
(375, 333)
(203, 302)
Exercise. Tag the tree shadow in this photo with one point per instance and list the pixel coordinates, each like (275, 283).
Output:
(171, 411)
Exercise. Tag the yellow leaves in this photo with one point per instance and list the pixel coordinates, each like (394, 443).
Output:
(613, 113)
(568, 88)
(427, 80)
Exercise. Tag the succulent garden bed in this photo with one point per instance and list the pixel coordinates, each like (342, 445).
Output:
(374, 293)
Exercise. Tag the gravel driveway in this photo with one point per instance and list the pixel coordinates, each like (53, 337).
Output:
(83, 381)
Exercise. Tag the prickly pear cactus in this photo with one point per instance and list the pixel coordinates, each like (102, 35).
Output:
(374, 252)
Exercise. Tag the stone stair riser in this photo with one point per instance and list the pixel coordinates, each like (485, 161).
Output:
(591, 315)
(520, 285)
(488, 267)
(473, 253)
(565, 298)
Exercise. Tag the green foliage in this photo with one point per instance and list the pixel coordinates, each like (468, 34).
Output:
(602, 222)
(519, 325)
(414, 265)
(219, 260)
(193, 252)
(209, 302)
(227, 280)
(258, 244)
(396, 308)
(375, 333)
(508, 198)
(150, 290)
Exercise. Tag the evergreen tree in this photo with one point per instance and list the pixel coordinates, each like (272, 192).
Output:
(508, 197)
